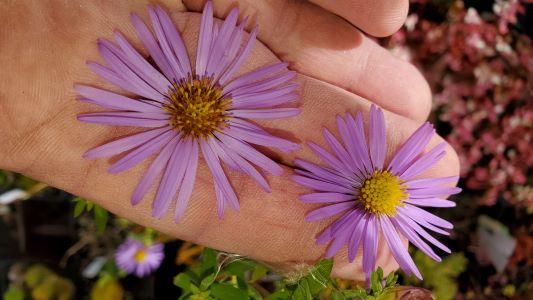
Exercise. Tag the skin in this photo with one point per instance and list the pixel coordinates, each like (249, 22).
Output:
(43, 49)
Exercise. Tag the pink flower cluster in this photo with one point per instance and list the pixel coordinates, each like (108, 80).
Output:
(479, 66)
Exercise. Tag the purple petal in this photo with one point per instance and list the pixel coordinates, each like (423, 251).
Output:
(433, 192)
(188, 183)
(415, 239)
(356, 238)
(155, 169)
(242, 164)
(114, 58)
(204, 39)
(326, 198)
(349, 144)
(139, 64)
(138, 155)
(414, 145)
(397, 248)
(431, 202)
(220, 45)
(112, 77)
(174, 38)
(267, 84)
(377, 137)
(339, 150)
(408, 222)
(424, 162)
(251, 154)
(356, 128)
(329, 159)
(211, 158)
(177, 69)
(342, 237)
(326, 174)
(253, 76)
(320, 185)
(328, 211)
(172, 177)
(416, 214)
(370, 245)
(431, 182)
(279, 100)
(111, 100)
(261, 139)
(260, 96)
(125, 119)
(271, 113)
(152, 45)
(241, 56)
(124, 144)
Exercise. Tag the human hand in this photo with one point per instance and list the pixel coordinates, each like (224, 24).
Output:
(45, 56)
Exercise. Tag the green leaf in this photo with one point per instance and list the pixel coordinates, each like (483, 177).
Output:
(224, 291)
(259, 272)
(375, 283)
(207, 281)
(209, 261)
(80, 206)
(14, 293)
(89, 205)
(183, 280)
(303, 291)
(391, 279)
(279, 295)
(355, 294)
(100, 217)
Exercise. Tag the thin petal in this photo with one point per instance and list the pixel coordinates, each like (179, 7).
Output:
(431, 202)
(397, 248)
(124, 119)
(261, 114)
(377, 137)
(187, 185)
(124, 144)
(155, 169)
(204, 39)
(370, 245)
(320, 185)
(253, 76)
(112, 100)
(326, 198)
(148, 40)
(424, 162)
(414, 145)
(328, 211)
(144, 151)
(172, 177)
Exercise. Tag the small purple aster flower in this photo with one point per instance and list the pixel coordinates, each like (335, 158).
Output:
(187, 110)
(374, 195)
(134, 257)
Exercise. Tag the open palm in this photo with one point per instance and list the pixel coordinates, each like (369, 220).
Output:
(43, 48)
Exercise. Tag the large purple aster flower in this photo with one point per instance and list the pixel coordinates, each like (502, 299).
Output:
(134, 257)
(374, 195)
(189, 109)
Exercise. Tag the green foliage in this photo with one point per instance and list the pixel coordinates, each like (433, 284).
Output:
(219, 276)
(100, 214)
(45, 284)
(231, 278)
(14, 293)
(439, 277)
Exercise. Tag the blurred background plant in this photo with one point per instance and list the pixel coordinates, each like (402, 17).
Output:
(477, 57)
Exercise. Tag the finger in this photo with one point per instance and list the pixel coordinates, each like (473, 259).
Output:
(324, 46)
(378, 18)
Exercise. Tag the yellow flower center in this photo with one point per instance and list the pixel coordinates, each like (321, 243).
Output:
(382, 193)
(197, 106)
(140, 256)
